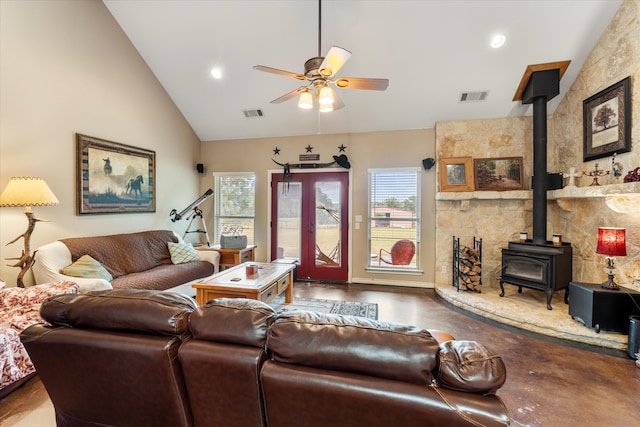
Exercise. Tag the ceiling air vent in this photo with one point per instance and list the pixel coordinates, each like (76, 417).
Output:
(478, 96)
(253, 113)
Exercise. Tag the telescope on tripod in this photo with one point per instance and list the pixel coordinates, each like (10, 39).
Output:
(197, 213)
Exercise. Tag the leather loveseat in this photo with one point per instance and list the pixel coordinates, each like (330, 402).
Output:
(141, 260)
(131, 358)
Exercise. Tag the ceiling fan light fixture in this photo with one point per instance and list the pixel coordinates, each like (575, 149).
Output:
(325, 96)
(326, 108)
(306, 100)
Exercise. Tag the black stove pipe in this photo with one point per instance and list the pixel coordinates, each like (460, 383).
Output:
(541, 87)
(540, 170)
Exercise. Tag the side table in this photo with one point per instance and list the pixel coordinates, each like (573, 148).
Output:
(603, 309)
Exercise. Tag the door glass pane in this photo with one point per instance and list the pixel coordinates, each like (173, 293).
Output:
(327, 227)
(288, 221)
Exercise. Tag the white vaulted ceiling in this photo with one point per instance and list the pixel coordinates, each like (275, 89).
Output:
(431, 51)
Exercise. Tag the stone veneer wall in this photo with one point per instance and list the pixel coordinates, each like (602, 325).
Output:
(498, 218)
(495, 220)
(615, 57)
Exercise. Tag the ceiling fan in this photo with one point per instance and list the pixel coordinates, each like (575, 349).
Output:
(320, 72)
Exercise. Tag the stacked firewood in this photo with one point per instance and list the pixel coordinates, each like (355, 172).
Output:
(470, 269)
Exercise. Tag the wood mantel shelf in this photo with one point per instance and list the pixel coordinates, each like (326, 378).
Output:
(626, 188)
(623, 197)
(485, 195)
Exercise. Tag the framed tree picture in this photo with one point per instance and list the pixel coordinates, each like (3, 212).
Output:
(498, 174)
(113, 177)
(607, 121)
(455, 174)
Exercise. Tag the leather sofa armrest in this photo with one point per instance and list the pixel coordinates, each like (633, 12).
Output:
(212, 257)
(51, 258)
(469, 366)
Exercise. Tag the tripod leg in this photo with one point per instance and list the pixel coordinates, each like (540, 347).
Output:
(184, 236)
(206, 233)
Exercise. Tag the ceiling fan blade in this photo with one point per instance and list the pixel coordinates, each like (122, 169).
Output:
(334, 60)
(279, 72)
(289, 95)
(361, 83)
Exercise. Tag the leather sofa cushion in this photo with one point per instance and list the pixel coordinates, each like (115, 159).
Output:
(469, 366)
(250, 319)
(124, 253)
(353, 344)
(151, 312)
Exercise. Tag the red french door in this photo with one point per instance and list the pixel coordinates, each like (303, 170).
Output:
(309, 223)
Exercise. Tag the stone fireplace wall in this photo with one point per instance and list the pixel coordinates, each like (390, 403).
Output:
(498, 217)
(615, 57)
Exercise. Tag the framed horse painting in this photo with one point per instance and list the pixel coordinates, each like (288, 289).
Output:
(113, 177)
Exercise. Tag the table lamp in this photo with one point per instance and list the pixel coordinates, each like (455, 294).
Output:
(27, 192)
(611, 242)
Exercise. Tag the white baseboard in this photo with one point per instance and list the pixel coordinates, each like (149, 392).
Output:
(387, 282)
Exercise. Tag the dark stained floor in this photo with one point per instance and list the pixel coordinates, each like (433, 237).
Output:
(548, 384)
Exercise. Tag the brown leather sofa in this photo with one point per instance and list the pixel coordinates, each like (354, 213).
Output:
(131, 358)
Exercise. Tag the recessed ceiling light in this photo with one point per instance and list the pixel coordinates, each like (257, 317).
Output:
(498, 40)
(216, 73)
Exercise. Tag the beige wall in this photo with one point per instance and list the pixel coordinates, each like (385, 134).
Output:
(364, 150)
(616, 56)
(67, 67)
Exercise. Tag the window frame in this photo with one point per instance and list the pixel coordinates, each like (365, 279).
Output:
(372, 263)
(217, 205)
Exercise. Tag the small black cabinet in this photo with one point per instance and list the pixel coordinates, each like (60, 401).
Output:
(603, 309)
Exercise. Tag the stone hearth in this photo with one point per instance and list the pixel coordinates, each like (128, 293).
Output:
(528, 311)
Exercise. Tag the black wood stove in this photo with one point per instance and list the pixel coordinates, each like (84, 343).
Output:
(538, 264)
(545, 267)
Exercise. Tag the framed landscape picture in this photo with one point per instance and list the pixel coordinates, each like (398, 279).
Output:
(607, 121)
(113, 177)
(456, 174)
(499, 174)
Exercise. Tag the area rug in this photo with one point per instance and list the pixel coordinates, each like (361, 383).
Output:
(350, 308)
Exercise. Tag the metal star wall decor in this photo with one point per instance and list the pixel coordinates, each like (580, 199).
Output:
(309, 148)
(342, 148)
(276, 151)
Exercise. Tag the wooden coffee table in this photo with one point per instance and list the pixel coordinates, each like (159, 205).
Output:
(271, 280)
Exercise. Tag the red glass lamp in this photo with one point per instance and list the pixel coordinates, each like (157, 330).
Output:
(611, 242)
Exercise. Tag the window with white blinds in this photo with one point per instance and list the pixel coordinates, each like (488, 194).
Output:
(235, 204)
(394, 216)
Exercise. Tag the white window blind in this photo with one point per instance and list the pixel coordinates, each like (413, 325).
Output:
(394, 214)
(235, 204)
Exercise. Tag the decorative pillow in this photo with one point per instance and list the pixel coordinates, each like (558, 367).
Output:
(181, 253)
(86, 266)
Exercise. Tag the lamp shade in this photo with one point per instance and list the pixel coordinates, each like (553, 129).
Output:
(27, 191)
(306, 100)
(611, 241)
(325, 96)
